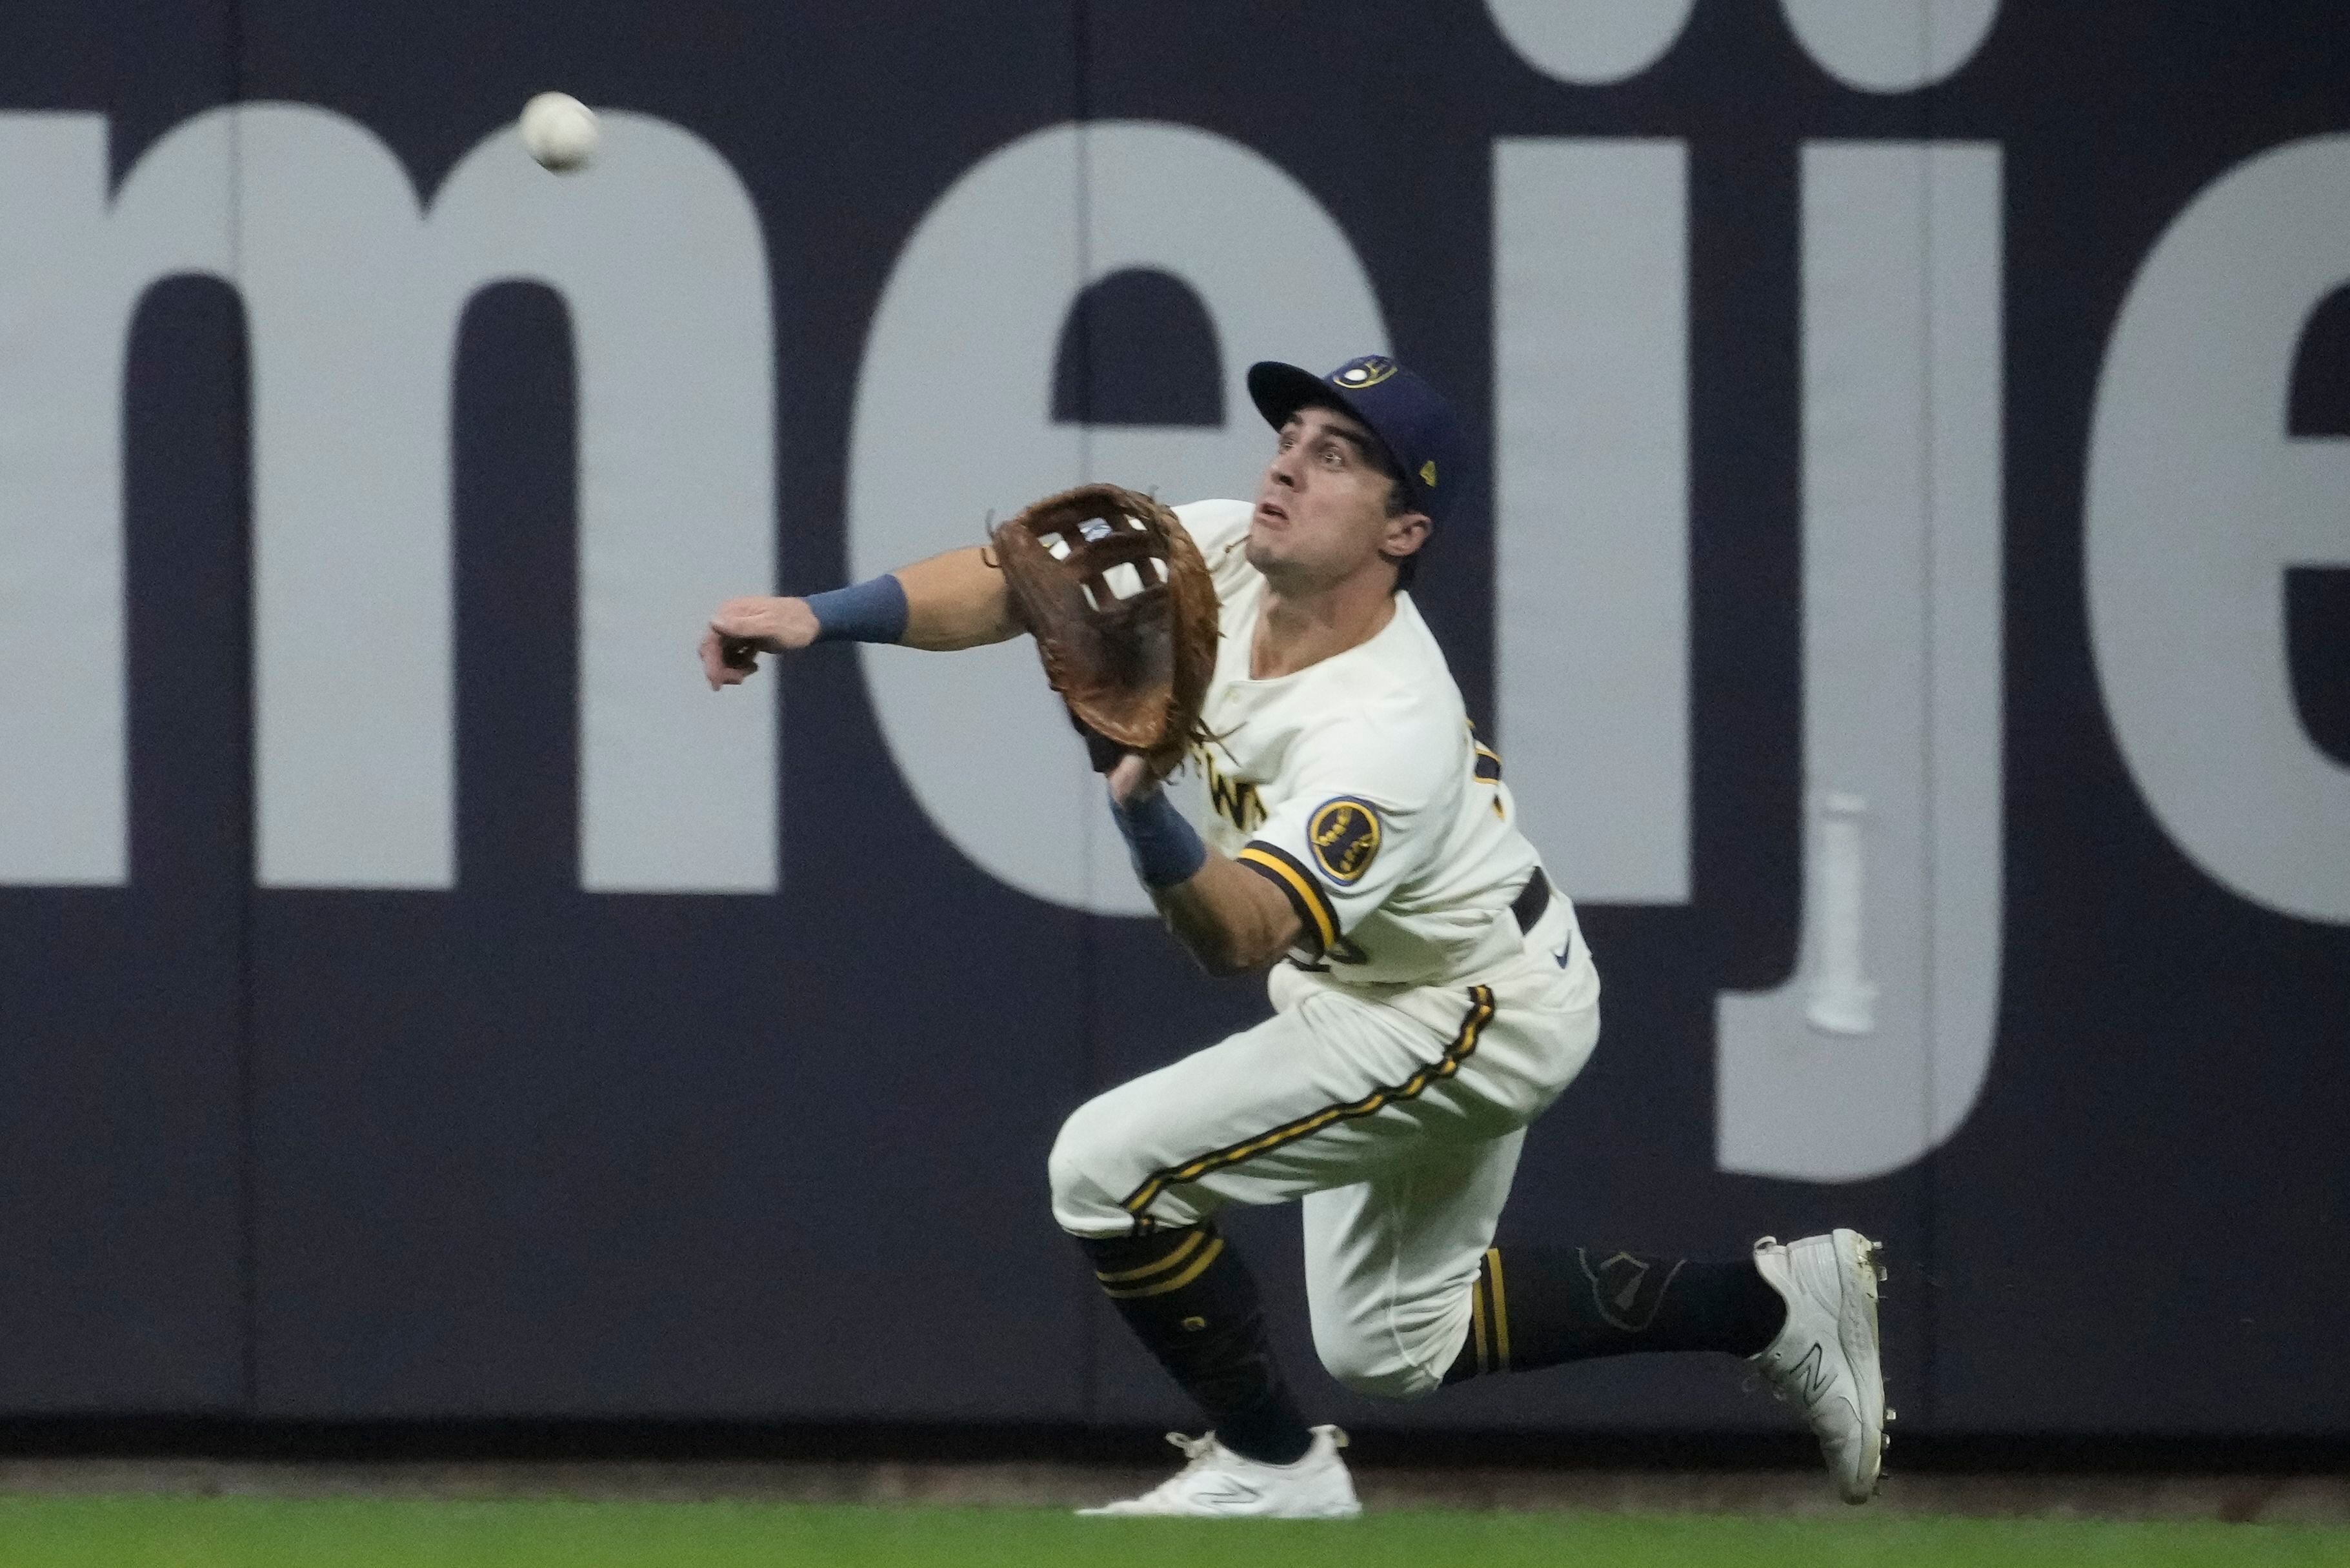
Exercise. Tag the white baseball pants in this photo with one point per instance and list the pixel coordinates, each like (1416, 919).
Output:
(1395, 1114)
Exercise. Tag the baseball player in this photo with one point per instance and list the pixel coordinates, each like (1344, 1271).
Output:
(1431, 991)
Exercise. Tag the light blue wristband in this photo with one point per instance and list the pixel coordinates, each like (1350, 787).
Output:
(1166, 849)
(870, 611)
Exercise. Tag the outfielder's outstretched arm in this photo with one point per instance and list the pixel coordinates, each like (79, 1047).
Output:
(956, 600)
(947, 602)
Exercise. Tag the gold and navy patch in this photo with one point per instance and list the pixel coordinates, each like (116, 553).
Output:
(1367, 371)
(1345, 833)
(1428, 473)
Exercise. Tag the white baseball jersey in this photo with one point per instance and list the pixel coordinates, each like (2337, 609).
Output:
(1356, 786)
(1416, 1031)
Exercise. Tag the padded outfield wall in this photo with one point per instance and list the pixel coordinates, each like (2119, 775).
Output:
(1911, 595)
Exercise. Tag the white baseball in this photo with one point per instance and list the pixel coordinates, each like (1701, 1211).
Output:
(559, 131)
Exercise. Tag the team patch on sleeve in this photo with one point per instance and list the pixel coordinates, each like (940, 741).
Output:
(1345, 833)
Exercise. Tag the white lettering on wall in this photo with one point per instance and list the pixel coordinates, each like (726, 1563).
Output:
(1591, 42)
(1874, 1050)
(352, 297)
(1591, 628)
(2198, 501)
(70, 278)
(1891, 45)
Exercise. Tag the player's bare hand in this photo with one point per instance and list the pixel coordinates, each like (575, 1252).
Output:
(744, 629)
(1131, 782)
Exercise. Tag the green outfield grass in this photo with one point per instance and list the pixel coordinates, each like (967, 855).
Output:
(256, 1532)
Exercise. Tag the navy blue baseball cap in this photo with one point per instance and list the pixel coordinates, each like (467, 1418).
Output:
(1410, 418)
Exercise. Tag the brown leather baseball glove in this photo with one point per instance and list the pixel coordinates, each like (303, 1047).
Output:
(1123, 612)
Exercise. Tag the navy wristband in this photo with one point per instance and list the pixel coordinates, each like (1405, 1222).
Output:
(1165, 848)
(872, 611)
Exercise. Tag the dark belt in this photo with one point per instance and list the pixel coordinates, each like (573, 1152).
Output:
(1530, 901)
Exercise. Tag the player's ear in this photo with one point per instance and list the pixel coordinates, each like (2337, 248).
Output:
(1405, 532)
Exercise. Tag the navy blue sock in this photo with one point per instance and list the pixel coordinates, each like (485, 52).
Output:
(1193, 1304)
(1540, 1307)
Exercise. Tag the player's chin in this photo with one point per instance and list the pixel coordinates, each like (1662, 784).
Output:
(1268, 539)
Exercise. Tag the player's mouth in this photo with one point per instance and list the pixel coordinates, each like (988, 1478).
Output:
(1272, 511)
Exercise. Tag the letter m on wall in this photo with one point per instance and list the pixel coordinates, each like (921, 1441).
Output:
(353, 291)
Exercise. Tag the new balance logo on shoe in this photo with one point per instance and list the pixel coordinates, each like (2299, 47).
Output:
(1810, 1377)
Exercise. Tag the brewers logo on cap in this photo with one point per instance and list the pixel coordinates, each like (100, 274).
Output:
(1367, 371)
(1345, 833)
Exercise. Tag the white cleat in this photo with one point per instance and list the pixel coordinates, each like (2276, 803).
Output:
(1218, 1483)
(1825, 1361)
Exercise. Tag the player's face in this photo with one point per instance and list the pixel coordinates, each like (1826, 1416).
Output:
(1321, 509)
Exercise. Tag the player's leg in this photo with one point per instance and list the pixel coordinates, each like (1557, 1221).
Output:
(1398, 1265)
(1410, 1292)
(1805, 1313)
(1391, 1264)
(1315, 1096)
(1534, 1306)
(1188, 1296)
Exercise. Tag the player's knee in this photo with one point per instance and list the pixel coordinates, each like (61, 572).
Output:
(1372, 1368)
(1079, 1169)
